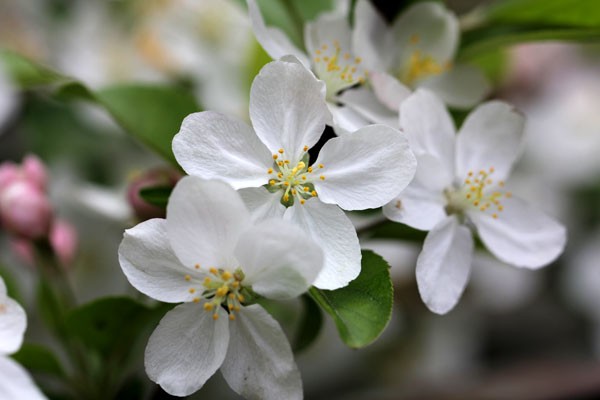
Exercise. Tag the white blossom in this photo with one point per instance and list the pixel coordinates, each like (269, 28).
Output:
(209, 255)
(460, 186)
(288, 112)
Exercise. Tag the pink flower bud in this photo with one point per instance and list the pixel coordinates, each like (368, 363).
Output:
(9, 173)
(166, 177)
(35, 171)
(25, 210)
(63, 239)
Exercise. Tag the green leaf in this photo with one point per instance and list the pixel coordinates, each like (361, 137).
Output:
(109, 324)
(152, 114)
(579, 13)
(157, 196)
(361, 310)
(37, 358)
(28, 74)
(310, 325)
(509, 22)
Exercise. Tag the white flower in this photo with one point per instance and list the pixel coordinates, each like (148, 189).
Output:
(15, 382)
(417, 50)
(459, 185)
(287, 107)
(330, 56)
(209, 255)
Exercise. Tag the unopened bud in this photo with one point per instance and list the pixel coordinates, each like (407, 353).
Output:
(64, 240)
(25, 210)
(159, 177)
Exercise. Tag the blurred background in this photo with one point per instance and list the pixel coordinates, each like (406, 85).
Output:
(516, 334)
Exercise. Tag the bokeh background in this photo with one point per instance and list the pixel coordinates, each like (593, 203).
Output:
(516, 334)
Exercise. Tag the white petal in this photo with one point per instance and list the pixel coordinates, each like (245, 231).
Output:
(372, 37)
(521, 235)
(363, 101)
(427, 27)
(429, 127)
(213, 146)
(462, 86)
(389, 90)
(332, 230)
(13, 323)
(152, 267)
(366, 169)
(444, 265)
(204, 221)
(262, 203)
(273, 40)
(417, 207)
(287, 108)
(186, 348)
(345, 119)
(490, 137)
(326, 29)
(15, 382)
(279, 260)
(259, 363)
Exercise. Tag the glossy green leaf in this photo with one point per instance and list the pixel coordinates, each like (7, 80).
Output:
(157, 196)
(37, 358)
(361, 310)
(28, 74)
(152, 114)
(310, 324)
(578, 13)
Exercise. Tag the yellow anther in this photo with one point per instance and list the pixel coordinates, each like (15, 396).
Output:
(482, 208)
(310, 169)
(302, 201)
(235, 284)
(303, 177)
(236, 308)
(301, 165)
(280, 163)
(272, 182)
(470, 173)
(280, 175)
(358, 60)
(241, 298)
(222, 291)
(491, 170)
(188, 278)
(325, 58)
(294, 192)
(322, 177)
(500, 208)
(280, 151)
(196, 300)
(207, 280)
(231, 317)
(314, 193)
(468, 195)
(501, 183)
(275, 156)
(305, 148)
(321, 166)
(230, 307)
(286, 197)
(467, 181)
(215, 316)
(318, 51)
(306, 189)
(508, 195)
(270, 171)
(347, 56)
(476, 203)
(213, 270)
(286, 183)
(226, 275)
(231, 296)
(197, 266)
(317, 59)
(287, 161)
(294, 170)
(324, 47)
(192, 290)
(494, 216)
(208, 306)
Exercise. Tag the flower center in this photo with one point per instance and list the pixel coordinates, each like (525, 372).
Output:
(338, 69)
(477, 192)
(221, 288)
(295, 181)
(2, 308)
(419, 65)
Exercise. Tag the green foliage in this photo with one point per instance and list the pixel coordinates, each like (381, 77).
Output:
(157, 196)
(310, 324)
(150, 113)
(37, 358)
(361, 310)
(509, 22)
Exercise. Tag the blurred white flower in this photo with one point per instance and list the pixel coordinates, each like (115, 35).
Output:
(459, 186)
(15, 382)
(288, 113)
(8, 98)
(209, 255)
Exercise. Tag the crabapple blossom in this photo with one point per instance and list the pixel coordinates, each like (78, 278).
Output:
(209, 255)
(270, 162)
(459, 187)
